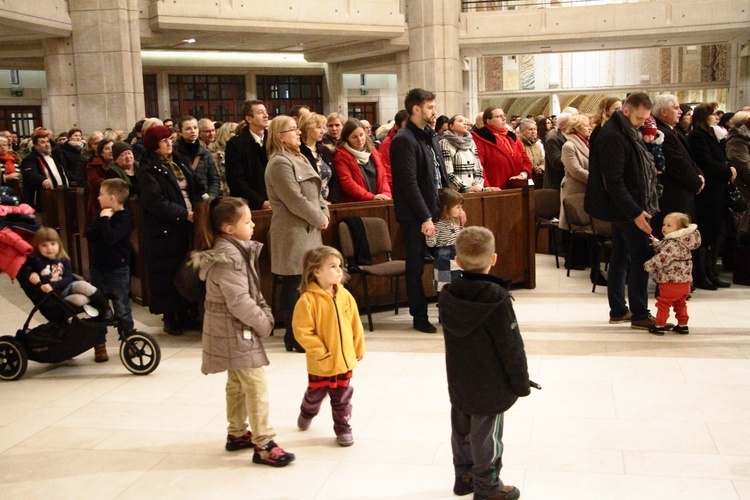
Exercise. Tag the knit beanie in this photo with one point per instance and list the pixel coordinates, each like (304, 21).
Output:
(155, 134)
(120, 147)
(649, 127)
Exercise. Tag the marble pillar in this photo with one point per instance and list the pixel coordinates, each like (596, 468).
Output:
(739, 76)
(163, 106)
(434, 57)
(95, 78)
(335, 100)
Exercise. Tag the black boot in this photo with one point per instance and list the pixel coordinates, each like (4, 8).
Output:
(711, 256)
(699, 270)
(291, 344)
(171, 325)
(101, 304)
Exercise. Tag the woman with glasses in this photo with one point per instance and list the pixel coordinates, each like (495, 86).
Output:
(358, 166)
(298, 213)
(168, 194)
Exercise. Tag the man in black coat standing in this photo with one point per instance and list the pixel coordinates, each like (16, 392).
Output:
(418, 174)
(246, 158)
(622, 190)
(42, 169)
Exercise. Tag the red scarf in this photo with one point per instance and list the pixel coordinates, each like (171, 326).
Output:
(584, 140)
(502, 139)
(9, 161)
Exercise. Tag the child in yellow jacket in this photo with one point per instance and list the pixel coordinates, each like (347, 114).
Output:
(326, 323)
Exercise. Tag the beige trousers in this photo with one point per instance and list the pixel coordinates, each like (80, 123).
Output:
(247, 400)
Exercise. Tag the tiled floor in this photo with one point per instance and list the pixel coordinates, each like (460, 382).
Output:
(622, 415)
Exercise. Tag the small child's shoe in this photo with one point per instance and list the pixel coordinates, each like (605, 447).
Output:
(658, 330)
(272, 454)
(682, 330)
(235, 443)
(464, 484)
(100, 353)
(345, 439)
(303, 423)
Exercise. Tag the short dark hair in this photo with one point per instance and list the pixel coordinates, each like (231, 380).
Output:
(637, 100)
(487, 115)
(247, 107)
(183, 119)
(35, 138)
(74, 130)
(295, 110)
(401, 118)
(350, 126)
(417, 97)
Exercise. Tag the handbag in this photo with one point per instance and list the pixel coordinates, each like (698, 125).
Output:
(734, 199)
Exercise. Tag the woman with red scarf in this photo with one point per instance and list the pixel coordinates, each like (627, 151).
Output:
(502, 155)
(9, 161)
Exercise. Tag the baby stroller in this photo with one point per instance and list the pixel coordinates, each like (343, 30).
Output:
(67, 335)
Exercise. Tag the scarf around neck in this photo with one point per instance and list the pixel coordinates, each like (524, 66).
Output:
(362, 157)
(501, 134)
(646, 171)
(462, 142)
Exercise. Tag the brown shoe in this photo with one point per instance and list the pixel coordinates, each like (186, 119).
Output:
(621, 319)
(100, 353)
(508, 493)
(647, 324)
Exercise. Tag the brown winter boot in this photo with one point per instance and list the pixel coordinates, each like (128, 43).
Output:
(100, 353)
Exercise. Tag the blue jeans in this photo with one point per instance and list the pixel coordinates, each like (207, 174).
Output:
(630, 250)
(116, 282)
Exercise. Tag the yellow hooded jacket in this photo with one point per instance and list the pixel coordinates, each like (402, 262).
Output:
(329, 328)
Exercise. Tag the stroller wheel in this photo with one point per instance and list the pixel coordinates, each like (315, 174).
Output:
(13, 360)
(140, 353)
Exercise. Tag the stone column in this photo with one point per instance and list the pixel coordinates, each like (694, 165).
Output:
(95, 78)
(335, 100)
(434, 56)
(739, 76)
(163, 106)
(471, 88)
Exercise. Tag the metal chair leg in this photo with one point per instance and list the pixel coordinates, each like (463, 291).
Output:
(367, 300)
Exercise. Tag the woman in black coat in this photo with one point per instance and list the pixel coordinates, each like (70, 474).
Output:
(710, 156)
(168, 191)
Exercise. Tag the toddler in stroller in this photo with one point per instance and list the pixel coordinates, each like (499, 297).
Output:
(49, 269)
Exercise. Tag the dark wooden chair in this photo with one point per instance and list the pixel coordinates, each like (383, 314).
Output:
(546, 211)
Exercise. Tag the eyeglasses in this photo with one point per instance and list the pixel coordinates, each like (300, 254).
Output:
(289, 130)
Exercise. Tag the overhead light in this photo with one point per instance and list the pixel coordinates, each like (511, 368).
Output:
(189, 40)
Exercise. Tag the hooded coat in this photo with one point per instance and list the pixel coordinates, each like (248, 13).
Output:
(329, 328)
(237, 316)
(484, 354)
(672, 262)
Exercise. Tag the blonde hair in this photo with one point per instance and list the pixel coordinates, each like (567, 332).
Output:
(224, 134)
(117, 187)
(91, 139)
(313, 260)
(310, 121)
(576, 122)
(740, 118)
(274, 146)
(475, 248)
(335, 116)
(682, 219)
(45, 234)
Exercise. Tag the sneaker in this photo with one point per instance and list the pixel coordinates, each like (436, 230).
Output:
(682, 330)
(235, 443)
(621, 319)
(657, 330)
(507, 493)
(345, 439)
(464, 484)
(646, 324)
(303, 423)
(272, 454)
(425, 326)
(100, 353)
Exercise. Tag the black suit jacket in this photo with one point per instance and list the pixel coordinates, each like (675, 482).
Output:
(414, 195)
(33, 171)
(245, 165)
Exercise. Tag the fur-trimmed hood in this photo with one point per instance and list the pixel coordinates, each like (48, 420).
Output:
(225, 250)
(688, 233)
(659, 139)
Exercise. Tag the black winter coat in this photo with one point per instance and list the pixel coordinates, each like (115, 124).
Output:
(167, 231)
(245, 165)
(484, 354)
(412, 166)
(614, 192)
(710, 156)
(110, 237)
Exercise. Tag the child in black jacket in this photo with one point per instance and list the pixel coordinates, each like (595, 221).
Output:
(109, 235)
(486, 365)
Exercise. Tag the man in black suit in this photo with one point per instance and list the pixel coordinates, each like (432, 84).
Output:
(418, 174)
(42, 169)
(246, 158)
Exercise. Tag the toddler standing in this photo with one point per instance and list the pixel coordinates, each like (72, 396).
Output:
(236, 318)
(326, 323)
(672, 269)
(447, 230)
